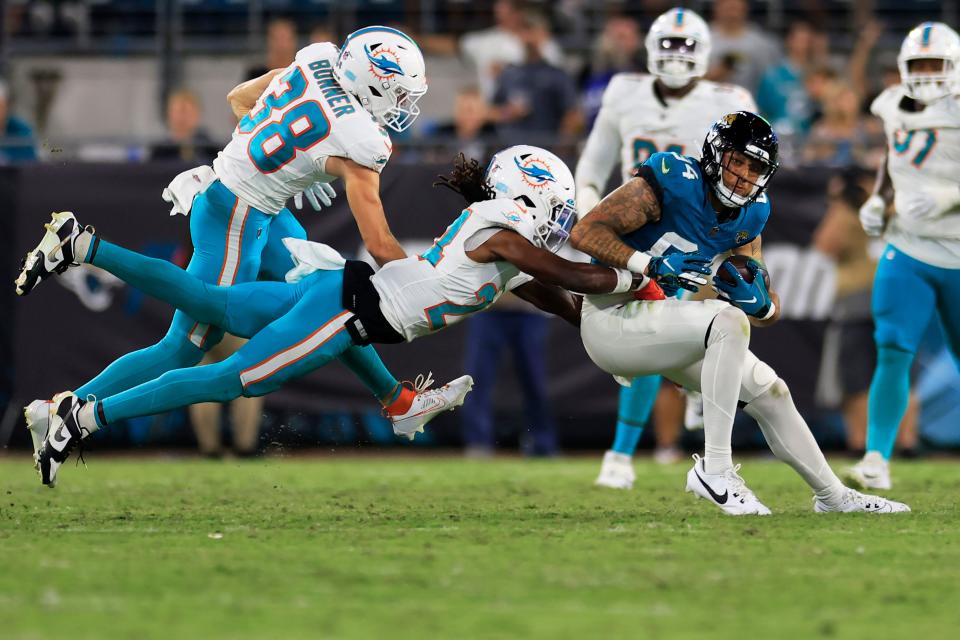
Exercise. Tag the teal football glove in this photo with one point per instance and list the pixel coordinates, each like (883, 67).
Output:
(679, 270)
(751, 297)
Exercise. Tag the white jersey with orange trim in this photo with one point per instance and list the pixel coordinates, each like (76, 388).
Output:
(425, 293)
(923, 160)
(636, 119)
(303, 118)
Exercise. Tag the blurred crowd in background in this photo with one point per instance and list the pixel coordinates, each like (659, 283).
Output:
(143, 80)
(495, 68)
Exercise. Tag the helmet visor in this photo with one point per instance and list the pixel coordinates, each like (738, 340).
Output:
(555, 232)
(406, 110)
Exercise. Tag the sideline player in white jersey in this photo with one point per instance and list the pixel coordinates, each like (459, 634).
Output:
(669, 110)
(918, 274)
(323, 117)
(520, 213)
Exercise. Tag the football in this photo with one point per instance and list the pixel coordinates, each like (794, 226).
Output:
(740, 264)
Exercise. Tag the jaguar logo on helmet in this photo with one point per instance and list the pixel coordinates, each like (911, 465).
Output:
(730, 118)
(535, 171)
(384, 62)
(742, 236)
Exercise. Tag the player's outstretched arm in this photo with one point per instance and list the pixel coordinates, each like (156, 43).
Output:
(363, 196)
(626, 209)
(597, 160)
(754, 249)
(243, 96)
(552, 299)
(551, 269)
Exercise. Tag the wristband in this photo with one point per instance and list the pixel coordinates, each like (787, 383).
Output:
(638, 262)
(769, 314)
(624, 281)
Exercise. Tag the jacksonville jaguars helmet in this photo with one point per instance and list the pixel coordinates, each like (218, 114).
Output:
(542, 185)
(384, 69)
(930, 41)
(752, 136)
(678, 47)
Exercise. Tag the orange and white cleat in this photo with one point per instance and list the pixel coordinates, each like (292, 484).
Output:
(418, 404)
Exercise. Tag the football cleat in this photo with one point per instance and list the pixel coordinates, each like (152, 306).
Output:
(872, 472)
(616, 472)
(37, 415)
(667, 455)
(727, 490)
(63, 434)
(429, 403)
(855, 502)
(54, 254)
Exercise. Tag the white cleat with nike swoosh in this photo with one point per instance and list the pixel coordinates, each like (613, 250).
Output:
(726, 490)
(429, 403)
(63, 435)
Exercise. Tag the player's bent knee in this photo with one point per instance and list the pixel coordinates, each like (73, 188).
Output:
(760, 378)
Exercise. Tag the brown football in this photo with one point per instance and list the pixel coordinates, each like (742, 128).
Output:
(740, 264)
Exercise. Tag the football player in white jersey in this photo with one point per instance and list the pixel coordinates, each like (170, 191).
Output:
(520, 213)
(324, 117)
(669, 110)
(918, 274)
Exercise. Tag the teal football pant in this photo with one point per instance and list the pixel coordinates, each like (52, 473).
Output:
(293, 329)
(232, 243)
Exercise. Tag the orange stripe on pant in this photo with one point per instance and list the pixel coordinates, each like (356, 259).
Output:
(282, 359)
(233, 249)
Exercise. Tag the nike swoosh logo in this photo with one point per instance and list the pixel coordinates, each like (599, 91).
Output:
(750, 301)
(717, 498)
(663, 166)
(60, 437)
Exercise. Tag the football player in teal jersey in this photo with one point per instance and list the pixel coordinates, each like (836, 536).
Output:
(669, 222)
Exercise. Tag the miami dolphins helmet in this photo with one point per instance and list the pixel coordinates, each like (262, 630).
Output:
(678, 47)
(384, 69)
(930, 41)
(542, 185)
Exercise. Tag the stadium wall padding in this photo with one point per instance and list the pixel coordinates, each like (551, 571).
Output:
(60, 342)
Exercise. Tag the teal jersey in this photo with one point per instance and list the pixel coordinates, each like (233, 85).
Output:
(688, 222)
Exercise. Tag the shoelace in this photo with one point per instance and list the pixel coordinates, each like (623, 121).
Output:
(869, 502)
(738, 486)
(422, 383)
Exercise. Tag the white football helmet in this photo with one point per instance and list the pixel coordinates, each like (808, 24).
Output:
(542, 185)
(384, 69)
(678, 47)
(936, 41)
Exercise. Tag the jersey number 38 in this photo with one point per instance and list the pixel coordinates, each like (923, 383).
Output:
(301, 125)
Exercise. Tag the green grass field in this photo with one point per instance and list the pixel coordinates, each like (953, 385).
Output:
(396, 547)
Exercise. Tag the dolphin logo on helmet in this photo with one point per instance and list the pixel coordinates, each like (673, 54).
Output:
(383, 63)
(539, 175)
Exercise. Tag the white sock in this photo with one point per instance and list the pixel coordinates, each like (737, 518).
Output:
(81, 246)
(790, 440)
(720, 379)
(87, 418)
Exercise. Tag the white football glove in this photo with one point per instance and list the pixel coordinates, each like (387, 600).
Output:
(916, 206)
(871, 215)
(319, 195)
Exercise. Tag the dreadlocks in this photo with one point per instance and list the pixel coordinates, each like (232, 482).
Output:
(468, 179)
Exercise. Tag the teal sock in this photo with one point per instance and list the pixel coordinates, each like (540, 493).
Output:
(887, 402)
(365, 363)
(636, 404)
